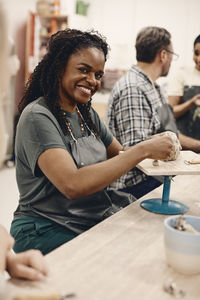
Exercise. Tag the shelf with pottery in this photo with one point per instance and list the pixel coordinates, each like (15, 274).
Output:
(39, 30)
(168, 169)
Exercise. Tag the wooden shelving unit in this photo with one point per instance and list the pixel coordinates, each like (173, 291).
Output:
(29, 51)
(51, 24)
(39, 30)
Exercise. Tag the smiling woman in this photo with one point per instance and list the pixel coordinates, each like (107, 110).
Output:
(86, 70)
(184, 95)
(65, 155)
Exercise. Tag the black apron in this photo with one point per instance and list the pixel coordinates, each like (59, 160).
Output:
(189, 123)
(81, 214)
(167, 120)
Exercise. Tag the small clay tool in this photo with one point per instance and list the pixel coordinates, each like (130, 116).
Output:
(192, 162)
(44, 297)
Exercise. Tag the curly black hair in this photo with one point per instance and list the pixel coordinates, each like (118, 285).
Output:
(47, 75)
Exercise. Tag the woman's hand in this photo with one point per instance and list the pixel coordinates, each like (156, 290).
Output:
(159, 146)
(7, 240)
(196, 100)
(181, 108)
(7, 243)
(27, 265)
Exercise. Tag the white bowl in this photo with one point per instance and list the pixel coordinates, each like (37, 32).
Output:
(182, 248)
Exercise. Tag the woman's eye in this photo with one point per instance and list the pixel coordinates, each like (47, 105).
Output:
(83, 70)
(98, 76)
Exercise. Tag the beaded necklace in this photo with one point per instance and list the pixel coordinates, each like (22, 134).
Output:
(81, 122)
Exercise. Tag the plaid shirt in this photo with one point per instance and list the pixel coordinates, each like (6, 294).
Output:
(132, 116)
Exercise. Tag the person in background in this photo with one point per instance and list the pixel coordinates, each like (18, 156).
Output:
(65, 155)
(30, 264)
(9, 62)
(184, 95)
(4, 81)
(137, 108)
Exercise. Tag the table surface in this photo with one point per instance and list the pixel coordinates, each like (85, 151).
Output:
(175, 167)
(121, 258)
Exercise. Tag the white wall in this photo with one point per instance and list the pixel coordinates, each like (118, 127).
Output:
(114, 19)
(121, 20)
(17, 13)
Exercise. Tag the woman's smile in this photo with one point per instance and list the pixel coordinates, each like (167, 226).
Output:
(85, 90)
(82, 77)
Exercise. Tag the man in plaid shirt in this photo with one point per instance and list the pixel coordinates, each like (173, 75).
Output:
(135, 100)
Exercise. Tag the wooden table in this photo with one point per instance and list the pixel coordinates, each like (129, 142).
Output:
(181, 166)
(121, 258)
(174, 167)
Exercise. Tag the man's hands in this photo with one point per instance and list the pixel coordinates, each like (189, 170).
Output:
(27, 265)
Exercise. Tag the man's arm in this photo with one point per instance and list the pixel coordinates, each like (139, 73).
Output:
(189, 143)
(130, 119)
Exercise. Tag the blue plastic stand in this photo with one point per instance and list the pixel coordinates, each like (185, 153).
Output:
(164, 206)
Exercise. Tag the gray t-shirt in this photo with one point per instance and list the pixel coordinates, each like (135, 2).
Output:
(37, 131)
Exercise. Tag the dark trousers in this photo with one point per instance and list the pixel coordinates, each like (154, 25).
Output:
(143, 187)
(39, 233)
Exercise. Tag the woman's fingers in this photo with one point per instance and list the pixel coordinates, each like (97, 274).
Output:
(34, 259)
(26, 272)
(29, 265)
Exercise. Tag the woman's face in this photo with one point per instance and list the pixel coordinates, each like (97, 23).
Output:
(196, 56)
(81, 78)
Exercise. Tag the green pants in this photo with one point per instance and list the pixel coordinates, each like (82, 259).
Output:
(39, 233)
